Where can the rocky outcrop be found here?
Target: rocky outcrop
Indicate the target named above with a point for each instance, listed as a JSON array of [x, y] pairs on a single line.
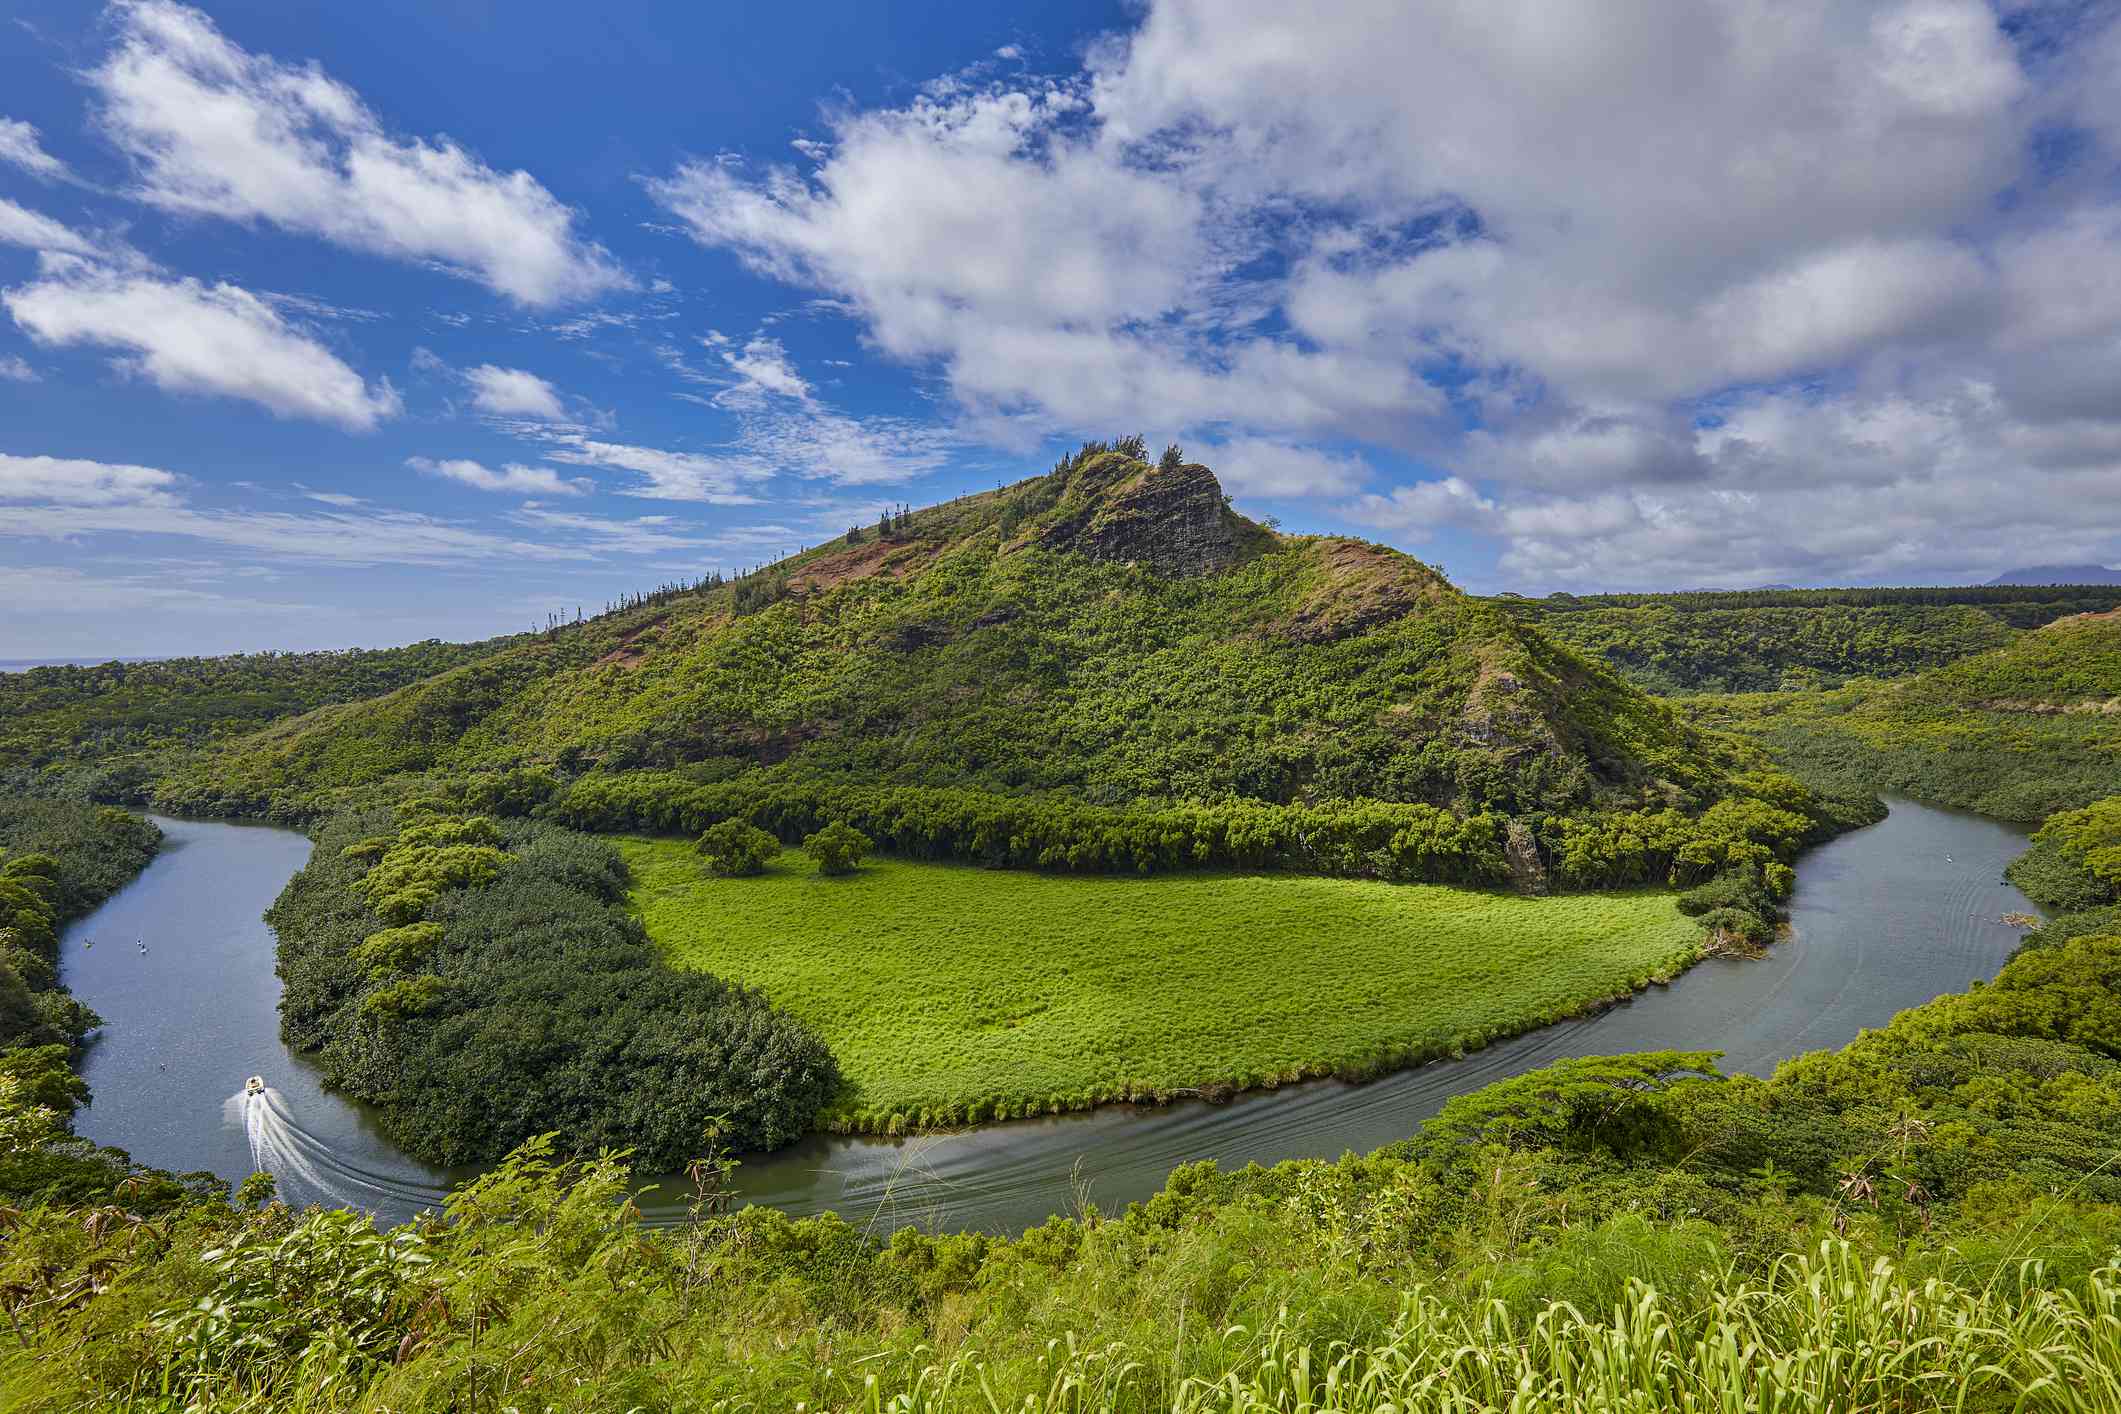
[[1172, 521]]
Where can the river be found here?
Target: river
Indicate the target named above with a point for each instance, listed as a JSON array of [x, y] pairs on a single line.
[[1884, 918]]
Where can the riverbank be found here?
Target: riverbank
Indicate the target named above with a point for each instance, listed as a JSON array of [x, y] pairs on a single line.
[[1883, 918]]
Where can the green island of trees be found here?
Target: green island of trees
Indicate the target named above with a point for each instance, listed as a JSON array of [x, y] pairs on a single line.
[[955, 995]]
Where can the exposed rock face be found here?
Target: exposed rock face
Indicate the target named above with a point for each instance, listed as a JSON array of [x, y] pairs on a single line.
[[1172, 521]]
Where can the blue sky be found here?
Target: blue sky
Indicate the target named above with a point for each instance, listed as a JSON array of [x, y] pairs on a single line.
[[328, 326]]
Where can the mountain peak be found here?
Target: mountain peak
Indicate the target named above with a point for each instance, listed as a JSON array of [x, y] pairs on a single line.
[[1173, 519]]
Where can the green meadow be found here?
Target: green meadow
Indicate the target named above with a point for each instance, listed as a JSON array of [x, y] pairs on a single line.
[[953, 994]]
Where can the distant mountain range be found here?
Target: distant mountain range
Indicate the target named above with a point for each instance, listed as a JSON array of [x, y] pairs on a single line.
[[2060, 574]]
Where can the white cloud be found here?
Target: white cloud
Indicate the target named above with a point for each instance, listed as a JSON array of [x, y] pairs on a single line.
[[513, 478], [188, 337], [815, 442], [20, 147], [670, 476], [1622, 208], [69, 481], [21, 226], [1805, 488], [64, 499], [1254, 467], [512, 392], [218, 131], [762, 371], [15, 369], [641, 535]]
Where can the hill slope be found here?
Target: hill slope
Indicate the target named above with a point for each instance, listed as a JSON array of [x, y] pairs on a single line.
[[1765, 641], [2021, 731], [1110, 631]]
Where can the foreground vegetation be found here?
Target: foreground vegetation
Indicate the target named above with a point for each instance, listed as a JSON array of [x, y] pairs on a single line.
[[956, 995], [482, 982], [1927, 1218]]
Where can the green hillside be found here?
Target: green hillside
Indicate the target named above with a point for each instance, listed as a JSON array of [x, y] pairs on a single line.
[[109, 728], [1110, 631], [1786, 640], [2020, 731]]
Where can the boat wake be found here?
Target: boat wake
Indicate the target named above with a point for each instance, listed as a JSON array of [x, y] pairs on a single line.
[[309, 1171]]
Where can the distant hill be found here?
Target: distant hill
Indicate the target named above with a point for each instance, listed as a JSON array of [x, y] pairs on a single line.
[[2020, 731], [1765, 640], [2060, 574], [1111, 631]]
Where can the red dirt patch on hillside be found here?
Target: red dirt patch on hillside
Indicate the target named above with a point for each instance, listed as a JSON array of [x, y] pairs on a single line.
[[851, 563]]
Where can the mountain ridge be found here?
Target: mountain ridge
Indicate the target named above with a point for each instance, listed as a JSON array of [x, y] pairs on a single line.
[[1111, 631]]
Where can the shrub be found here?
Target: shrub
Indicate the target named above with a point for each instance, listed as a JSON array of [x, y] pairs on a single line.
[[837, 848], [737, 850]]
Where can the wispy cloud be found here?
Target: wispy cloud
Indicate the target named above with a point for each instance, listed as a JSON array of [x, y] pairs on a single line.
[[668, 475], [19, 146], [21, 226], [513, 478]]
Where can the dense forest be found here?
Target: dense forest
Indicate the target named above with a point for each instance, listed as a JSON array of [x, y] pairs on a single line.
[[482, 982], [1768, 641]]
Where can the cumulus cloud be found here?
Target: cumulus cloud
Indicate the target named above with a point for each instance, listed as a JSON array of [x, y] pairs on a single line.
[[1805, 487], [512, 392], [21, 226], [1255, 467], [513, 478], [217, 131], [1041, 269], [187, 337], [70, 481], [20, 147], [15, 369], [1627, 278]]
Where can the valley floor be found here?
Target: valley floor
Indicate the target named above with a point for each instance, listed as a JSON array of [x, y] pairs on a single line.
[[953, 994]]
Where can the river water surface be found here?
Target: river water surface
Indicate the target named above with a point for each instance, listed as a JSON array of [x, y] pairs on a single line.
[[1883, 919]]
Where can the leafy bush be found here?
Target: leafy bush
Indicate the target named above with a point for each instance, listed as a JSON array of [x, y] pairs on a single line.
[[736, 850], [838, 848]]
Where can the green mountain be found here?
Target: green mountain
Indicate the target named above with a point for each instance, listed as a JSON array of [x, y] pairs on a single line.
[[2020, 731], [1112, 632]]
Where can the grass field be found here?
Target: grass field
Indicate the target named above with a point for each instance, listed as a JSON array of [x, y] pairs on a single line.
[[953, 994]]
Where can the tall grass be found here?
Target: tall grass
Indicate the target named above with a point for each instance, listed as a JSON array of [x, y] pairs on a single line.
[[1819, 1333]]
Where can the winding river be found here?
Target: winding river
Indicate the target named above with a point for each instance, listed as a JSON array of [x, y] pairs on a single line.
[[1883, 919]]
